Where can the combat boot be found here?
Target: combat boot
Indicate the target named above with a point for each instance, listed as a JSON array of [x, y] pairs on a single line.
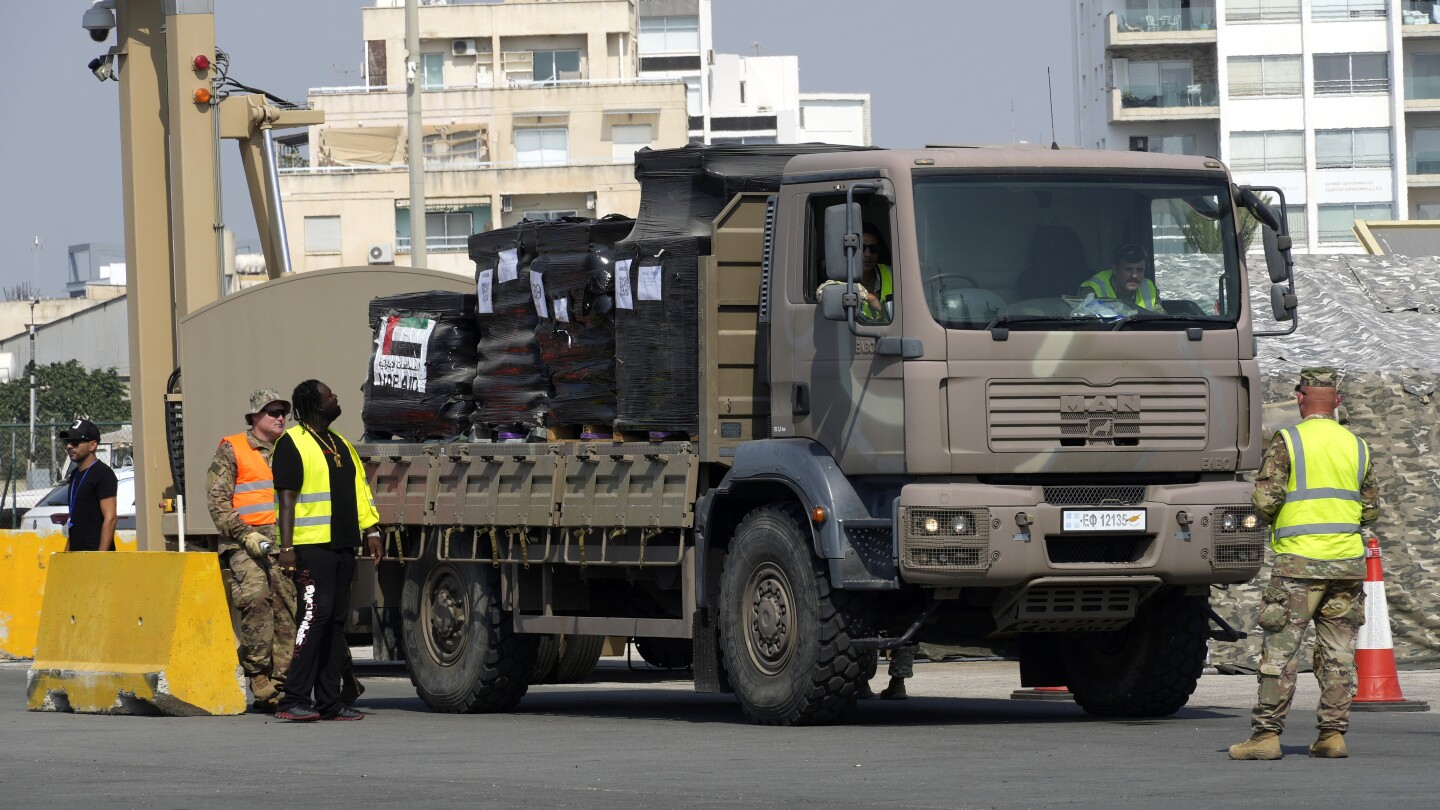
[[263, 689], [895, 691], [1331, 745], [1261, 745], [863, 691]]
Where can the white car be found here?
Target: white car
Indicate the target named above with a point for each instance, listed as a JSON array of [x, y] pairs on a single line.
[[52, 512]]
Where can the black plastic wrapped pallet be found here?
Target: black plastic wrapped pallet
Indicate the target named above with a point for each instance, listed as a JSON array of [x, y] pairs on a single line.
[[422, 367], [683, 190], [656, 338], [512, 386]]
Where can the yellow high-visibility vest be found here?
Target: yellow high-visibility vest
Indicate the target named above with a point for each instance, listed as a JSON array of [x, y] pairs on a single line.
[[312, 504], [1320, 518], [1147, 297]]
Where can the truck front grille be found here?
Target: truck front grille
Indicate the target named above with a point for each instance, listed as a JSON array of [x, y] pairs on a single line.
[[1093, 495], [945, 539], [1034, 416], [1113, 549]]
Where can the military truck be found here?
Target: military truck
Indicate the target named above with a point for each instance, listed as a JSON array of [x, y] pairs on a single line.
[[993, 458]]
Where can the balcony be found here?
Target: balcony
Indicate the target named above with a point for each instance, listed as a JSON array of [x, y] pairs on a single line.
[[1423, 168], [1184, 103], [1183, 26], [1419, 20]]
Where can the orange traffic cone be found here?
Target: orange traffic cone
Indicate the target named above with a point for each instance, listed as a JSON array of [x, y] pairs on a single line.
[[1042, 693], [1375, 651]]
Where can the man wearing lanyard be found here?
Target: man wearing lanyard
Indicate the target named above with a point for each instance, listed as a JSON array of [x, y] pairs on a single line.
[[92, 491]]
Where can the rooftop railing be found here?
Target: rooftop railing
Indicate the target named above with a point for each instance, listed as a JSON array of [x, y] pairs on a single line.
[[1178, 19], [1201, 94]]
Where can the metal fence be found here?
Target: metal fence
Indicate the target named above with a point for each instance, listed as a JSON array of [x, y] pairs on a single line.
[[23, 484]]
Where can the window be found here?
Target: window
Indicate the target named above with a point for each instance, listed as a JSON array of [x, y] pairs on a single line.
[[1337, 221], [692, 95], [1352, 148], [1425, 151], [432, 71], [1350, 73], [669, 35], [548, 216], [1157, 84], [1321, 10], [1299, 228], [541, 147], [1422, 76], [1427, 211], [1264, 76], [444, 230], [1262, 10], [322, 234], [552, 66], [1165, 144], [629, 139], [1267, 151]]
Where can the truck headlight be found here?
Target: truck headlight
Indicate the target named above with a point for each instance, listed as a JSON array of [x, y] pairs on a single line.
[[931, 525], [1250, 522], [960, 526]]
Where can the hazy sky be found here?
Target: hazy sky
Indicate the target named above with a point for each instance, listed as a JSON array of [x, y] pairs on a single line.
[[938, 71]]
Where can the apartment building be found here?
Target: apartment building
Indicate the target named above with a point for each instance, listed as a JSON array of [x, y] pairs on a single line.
[[1335, 102], [530, 110]]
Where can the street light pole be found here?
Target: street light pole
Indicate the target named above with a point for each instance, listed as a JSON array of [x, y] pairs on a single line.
[[34, 299]]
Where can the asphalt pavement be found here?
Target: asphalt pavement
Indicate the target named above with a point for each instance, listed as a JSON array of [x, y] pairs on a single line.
[[638, 738]]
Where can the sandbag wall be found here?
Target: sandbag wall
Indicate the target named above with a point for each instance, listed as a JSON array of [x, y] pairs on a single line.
[[422, 367]]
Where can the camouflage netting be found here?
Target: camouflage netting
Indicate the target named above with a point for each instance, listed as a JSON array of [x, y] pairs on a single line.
[[1377, 319]]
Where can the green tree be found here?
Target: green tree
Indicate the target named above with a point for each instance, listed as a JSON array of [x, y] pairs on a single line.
[[1202, 234], [66, 391]]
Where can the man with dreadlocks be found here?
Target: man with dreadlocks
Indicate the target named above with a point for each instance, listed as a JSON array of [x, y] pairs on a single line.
[[325, 504]]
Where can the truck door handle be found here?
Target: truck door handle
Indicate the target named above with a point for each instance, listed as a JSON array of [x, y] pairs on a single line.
[[800, 399]]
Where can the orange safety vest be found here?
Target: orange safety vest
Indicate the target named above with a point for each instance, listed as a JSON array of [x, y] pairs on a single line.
[[254, 498]]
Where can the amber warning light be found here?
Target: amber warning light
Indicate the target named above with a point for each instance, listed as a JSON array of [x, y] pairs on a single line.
[[202, 96]]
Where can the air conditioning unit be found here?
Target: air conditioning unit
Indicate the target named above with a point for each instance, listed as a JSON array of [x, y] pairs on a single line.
[[463, 47], [381, 254]]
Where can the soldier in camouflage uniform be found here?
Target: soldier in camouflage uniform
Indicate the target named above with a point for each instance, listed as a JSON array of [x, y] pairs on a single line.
[[1316, 488], [264, 597]]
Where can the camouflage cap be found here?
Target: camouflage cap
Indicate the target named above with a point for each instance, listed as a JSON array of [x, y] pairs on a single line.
[[263, 397], [1319, 377]]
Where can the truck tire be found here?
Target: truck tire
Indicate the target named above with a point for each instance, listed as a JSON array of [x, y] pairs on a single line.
[[1148, 668], [666, 653], [546, 654], [578, 657], [783, 635], [460, 648]]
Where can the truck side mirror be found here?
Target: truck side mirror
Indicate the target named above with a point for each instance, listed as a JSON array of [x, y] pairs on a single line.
[[1282, 302], [838, 237], [1277, 254], [832, 301], [1259, 208]]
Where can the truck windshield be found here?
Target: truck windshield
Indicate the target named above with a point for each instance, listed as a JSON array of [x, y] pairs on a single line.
[[1039, 252]]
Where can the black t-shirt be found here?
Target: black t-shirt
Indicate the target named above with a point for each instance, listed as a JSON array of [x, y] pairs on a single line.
[[87, 488], [289, 472]]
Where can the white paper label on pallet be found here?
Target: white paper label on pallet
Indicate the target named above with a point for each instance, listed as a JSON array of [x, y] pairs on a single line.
[[562, 309], [509, 262], [484, 288], [623, 299], [649, 286], [537, 293]]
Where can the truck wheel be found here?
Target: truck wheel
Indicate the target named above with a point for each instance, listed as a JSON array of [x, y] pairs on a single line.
[[783, 637], [546, 654], [1148, 668], [666, 653], [460, 648], [578, 657]]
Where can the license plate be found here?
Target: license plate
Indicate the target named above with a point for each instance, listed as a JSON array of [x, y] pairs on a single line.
[[1103, 520]]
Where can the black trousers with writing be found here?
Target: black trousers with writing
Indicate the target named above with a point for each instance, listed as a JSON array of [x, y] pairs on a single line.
[[322, 590]]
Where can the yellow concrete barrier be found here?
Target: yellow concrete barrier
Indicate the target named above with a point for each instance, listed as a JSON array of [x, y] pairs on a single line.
[[24, 562], [140, 633]]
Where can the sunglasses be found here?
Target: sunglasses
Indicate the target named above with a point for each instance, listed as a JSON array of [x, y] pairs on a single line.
[[278, 413], [872, 248], [78, 442]]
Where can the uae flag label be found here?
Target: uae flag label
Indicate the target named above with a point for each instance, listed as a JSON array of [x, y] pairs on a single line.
[[400, 350]]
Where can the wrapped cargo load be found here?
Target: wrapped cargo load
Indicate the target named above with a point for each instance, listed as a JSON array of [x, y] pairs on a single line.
[[512, 385], [422, 368], [575, 277], [657, 293]]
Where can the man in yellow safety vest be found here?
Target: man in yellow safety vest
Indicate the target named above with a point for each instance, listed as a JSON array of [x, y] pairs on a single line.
[[1316, 488], [1126, 280], [325, 506]]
